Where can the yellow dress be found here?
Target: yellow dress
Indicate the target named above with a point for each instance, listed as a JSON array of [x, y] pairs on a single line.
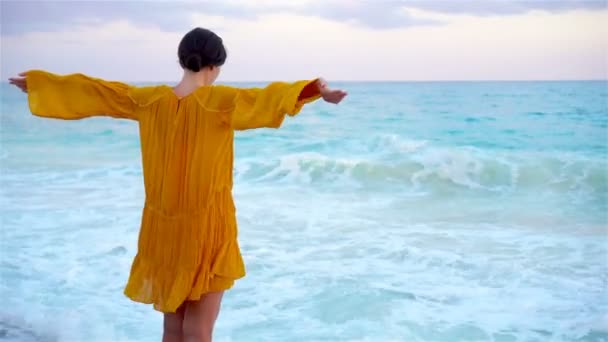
[[188, 237]]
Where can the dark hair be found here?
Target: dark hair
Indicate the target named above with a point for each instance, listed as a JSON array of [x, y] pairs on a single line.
[[201, 48]]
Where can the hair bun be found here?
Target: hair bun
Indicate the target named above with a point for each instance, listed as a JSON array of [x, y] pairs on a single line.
[[200, 48], [194, 62]]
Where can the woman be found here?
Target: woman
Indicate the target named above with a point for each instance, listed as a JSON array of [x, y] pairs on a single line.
[[188, 253]]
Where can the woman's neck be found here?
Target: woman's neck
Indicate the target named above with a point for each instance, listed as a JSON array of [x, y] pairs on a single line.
[[191, 81]]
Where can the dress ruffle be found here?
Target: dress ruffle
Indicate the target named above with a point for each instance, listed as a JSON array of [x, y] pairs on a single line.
[[179, 255]]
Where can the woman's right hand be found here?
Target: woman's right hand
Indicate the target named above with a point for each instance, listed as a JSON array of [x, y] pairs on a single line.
[[20, 82]]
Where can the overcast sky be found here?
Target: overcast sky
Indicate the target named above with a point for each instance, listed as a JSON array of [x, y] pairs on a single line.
[[337, 39]]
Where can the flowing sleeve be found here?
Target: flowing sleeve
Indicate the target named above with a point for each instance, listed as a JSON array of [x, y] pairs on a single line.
[[267, 107], [77, 96]]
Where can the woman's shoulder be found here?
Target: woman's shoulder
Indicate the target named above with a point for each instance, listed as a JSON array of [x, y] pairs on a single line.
[[145, 96], [218, 98]]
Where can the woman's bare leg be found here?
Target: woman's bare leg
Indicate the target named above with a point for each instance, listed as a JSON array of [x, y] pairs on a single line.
[[172, 325], [200, 316]]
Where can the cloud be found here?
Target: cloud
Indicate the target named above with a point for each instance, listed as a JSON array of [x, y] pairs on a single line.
[[364, 13], [503, 7], [368, 14], [29, 16], [113, 50], [392, 14], [283, 46]]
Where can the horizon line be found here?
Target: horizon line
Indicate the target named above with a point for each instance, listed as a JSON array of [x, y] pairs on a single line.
[[392, 81], [413, 81]]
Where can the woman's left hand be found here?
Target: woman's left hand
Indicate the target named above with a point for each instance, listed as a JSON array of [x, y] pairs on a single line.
[[331, 95]]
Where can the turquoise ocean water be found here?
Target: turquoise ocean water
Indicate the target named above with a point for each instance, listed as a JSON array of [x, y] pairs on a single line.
[[440, 211]]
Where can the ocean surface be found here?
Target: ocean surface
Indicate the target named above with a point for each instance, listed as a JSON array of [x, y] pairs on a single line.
[[421, 211]]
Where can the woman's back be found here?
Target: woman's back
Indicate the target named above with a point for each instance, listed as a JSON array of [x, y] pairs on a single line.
[[187, 146]]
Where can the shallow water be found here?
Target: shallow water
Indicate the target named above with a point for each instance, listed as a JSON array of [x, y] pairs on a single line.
[[452, 211]]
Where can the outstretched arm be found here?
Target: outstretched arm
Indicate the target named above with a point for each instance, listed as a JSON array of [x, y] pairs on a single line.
[[267, 107], [74, 96]]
